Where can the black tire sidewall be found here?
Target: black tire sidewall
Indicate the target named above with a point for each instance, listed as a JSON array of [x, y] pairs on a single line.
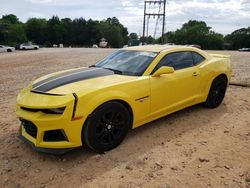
[[89, 135], [210, 101]]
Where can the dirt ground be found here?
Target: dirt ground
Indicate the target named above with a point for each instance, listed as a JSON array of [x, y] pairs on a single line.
[[196, 147]]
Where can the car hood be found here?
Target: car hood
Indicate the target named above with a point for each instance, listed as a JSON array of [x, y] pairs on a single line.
[[78, 80]]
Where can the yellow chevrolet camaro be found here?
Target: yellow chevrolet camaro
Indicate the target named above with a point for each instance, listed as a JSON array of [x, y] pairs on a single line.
[[96, 106]]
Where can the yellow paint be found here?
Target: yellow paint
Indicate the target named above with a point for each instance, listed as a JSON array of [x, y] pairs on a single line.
[[167, 93]]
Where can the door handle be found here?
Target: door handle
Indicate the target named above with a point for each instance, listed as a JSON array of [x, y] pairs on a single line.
[[195, 73]]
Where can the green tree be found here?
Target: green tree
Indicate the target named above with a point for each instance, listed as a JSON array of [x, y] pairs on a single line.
[[122, 30], [17, 34], [36, 30], [67, 34], [193, 32], [115, 37], [196, 32], [78, 32], [10, 19], [239, 39], [9, 25], [55, 30], [215, 41], [133, 36]]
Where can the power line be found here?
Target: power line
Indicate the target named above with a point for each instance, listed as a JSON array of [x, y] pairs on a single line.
[[159, 15]]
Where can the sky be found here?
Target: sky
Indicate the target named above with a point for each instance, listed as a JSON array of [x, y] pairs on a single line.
[[224, 16]]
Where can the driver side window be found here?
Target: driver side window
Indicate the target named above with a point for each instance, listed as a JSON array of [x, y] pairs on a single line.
[[177, 60]]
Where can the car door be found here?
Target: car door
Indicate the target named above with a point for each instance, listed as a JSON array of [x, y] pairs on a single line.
[[28, 47], [171, 92]]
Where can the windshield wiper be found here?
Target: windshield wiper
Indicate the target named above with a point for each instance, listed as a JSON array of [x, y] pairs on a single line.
[[115, 71]]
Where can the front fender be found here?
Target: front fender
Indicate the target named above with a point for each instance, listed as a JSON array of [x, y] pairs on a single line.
[[88, 104]]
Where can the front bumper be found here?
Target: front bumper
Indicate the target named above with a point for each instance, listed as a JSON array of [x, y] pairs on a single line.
[[45, 123], [56, 151]]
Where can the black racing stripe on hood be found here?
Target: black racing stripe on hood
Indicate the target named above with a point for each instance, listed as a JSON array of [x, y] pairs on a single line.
[[58, 76], [84, 75]]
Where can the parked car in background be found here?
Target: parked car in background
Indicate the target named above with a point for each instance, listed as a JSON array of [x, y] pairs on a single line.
[[4, 48], [196, 46], [244, 50], [28, 46]]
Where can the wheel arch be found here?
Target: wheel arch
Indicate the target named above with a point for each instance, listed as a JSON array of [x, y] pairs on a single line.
[[223, 75], [123, 102], [210, 82], [207, 103], [128, 107]]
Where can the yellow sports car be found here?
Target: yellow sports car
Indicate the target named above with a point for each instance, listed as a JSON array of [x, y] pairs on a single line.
[[132, 86]]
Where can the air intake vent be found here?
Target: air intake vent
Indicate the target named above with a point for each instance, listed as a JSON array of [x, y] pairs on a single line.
[[29, 127]]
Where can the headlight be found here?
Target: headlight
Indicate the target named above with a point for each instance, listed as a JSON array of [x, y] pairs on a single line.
[[46, 111], [53, 110]]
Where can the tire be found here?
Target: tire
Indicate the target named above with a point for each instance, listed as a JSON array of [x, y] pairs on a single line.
[[217, 92], [35, 48], [106, 127], [9, 50], [23, 48]]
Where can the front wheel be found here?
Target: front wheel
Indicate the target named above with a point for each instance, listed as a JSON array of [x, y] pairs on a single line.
[[217, 92], [106, 127]]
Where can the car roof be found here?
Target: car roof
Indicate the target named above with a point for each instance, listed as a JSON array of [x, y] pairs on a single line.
[[158, 48]]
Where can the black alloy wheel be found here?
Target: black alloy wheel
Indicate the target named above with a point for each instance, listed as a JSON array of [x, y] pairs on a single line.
[[107, 126]]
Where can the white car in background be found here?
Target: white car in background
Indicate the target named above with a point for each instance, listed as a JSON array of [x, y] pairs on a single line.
[[4, 48], [28, 46]]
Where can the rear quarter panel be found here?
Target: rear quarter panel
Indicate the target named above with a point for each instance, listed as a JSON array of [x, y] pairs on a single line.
[[210, 69]]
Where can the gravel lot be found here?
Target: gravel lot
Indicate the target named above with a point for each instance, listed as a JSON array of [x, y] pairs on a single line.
[[196, 147]]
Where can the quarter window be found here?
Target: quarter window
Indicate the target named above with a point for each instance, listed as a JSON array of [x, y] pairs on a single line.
[[177, 60], [197, 58]]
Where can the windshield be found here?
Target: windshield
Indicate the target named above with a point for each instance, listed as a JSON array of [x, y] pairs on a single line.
[[127, 62]]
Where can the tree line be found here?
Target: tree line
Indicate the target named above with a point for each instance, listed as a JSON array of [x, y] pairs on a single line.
[[198, 32], [82, 32], [77, 32]]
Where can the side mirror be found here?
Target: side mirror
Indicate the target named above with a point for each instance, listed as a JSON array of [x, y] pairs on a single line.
[[163, 70]]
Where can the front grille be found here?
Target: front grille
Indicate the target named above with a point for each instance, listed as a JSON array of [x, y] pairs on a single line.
[[29, 127]]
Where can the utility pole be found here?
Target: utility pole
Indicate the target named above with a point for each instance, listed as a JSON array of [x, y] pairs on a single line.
[[163, 22], [159, 15]]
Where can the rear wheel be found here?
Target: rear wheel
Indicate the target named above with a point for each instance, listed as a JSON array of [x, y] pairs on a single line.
[[106, 127], [217, 92], [9, 50]]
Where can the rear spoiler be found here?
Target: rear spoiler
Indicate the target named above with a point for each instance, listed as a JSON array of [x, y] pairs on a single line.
[[220, 55]]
